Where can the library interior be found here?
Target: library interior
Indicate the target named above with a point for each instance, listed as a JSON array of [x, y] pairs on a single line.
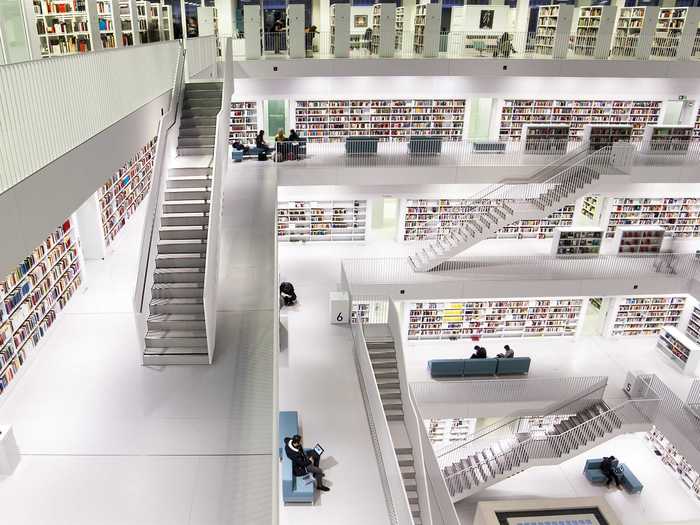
[[338, 261]]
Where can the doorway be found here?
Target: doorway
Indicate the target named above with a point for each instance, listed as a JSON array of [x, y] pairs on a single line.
[[276, 117], [385, 217], [596, 313]]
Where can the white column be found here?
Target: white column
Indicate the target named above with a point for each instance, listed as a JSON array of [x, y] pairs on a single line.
[[325, 16], [89, 221], [226, 14], [296, 41], [342, 30], [690, 28], [387, 30], [117, 24], [522, 12], [431, 37], [134, 13], [603, 41], [646, 35], [93, 25], [561, 36], [252, 23]]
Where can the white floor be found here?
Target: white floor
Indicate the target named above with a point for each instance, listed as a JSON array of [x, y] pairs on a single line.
[[105, 440], [664, 498]]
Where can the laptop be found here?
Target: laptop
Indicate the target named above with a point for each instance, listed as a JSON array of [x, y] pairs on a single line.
[[318, 449]]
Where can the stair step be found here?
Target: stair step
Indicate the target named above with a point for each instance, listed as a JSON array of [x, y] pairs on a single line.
[[386, 372], [384, 363], [408, 472], [394, 415], [196, 246], [188, 206], [415, 510], [184, 219], [391, 404], [412, 497], [178, 173], [197, 121], [199, 111], [175, 355], [178, 275], [176, 339], [186, 194], [180, 260], [390, 393], [161, 322], [175, 290], [181, 233], [382, 354], [189, 151], [189, 305], [403, 450], [202, 99], [205, 85], [388, 384], [189, 182], [194, 129], [196, 142]]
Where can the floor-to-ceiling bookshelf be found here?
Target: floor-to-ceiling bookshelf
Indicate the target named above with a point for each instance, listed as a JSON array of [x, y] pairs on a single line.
[[587, 28], [388, 119], [627, 30], [125, 190], [646, 315], [63, 27], [322, 220], [430, 219], [33, 294], [693, 329], [577, 113], [494, 318], [668, 31], [547, 17], [419, 29], [244, 121], [679, 216]]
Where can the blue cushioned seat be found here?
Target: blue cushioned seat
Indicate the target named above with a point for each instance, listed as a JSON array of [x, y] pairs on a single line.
[[513, 365], [446, 367], [480, 367]]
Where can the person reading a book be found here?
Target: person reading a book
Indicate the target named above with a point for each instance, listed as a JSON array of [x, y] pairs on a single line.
[[304, 461]]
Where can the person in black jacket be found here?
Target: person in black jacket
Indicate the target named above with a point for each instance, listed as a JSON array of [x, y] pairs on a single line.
[[304, 462], [609, 467], [479, 353]]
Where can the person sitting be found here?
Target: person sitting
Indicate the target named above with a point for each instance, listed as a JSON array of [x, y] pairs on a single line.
[[304, 462], [279, 137], [508, 354], [293, 136], [504, 46], [238, 145], [289, 297], [263, 149], [479, 353], [310, 34], [609, 467]]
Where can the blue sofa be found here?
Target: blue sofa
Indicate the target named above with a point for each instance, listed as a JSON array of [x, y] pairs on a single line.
[[593, 474], [361, 145], [424, 145], [478, 367], [294, 489], [238, 156], [489, 147]]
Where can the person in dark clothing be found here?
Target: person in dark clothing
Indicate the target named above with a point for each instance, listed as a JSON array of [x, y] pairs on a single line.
[[293, 136], [479, 353], [508, 354], [304, 462], [504, 46], [609, 467], [309, 35], [287, 293], [237, 145], [261, 144]]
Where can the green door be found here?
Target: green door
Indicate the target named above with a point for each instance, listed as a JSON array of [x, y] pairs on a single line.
[[276, 117]]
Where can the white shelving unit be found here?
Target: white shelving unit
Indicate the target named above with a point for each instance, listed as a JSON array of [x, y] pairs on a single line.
[[675, 460], [430, 219], [109, 24], [602, 135], [645, 315], [372, 312], [446, 431], [696, 128], [667, 139], [322, 220], [577, 114], [67, 26], [129, 18], [590, 207], [398, 37], [678, 216], [553, 30], [388, 119], [669, 28], [121, 195], [634, 31], [594, 29], [33, 294], [167, 22], [545, 139], [244, 121], [632, 240], [680, 349], [575, 240], [383, 29], [693, 328], [419, 28], [492, 318]]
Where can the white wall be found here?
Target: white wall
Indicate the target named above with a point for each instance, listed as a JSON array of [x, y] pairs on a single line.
[[467, 18], [360, 10], [31, 210]]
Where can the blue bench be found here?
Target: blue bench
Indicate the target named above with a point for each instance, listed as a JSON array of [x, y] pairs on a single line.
[[593, 474], [424, 145], [237, 155], [489, 147], [361, 145], [294, 489], [478, 367]]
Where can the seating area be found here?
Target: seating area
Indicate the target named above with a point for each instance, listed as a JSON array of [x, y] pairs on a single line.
[[446, 368], [424, 145], [629, 481], [294, 489], [361, 145]]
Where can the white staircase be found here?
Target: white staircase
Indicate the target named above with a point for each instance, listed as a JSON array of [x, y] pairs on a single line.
[[551, 188], [176, 323], [510, 455]]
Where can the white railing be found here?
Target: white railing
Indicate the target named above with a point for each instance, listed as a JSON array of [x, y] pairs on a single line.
[[220, 167], [237, 47], [390, 472], [201, 55], [165, 150], [411, 420], [88, 93], [630, 414]]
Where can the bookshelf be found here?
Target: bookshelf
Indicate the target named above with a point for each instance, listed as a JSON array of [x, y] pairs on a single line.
[[696, 128], [693, 329], [109, 25], [575, 241], [430, 219], [383, 29], [542, 317], [667, 139], [167, 22], [66, 27], [646, 315], [419, 28], [322, 220], [387, 119], [445, 431], [333, 29], [594, 29], [376, 28], [577, 114], [600, 136], [639, 239], [590, 207], [33, 294], [675, 460], [122, 193], [628, 30], [398, 35], [545, 139], [129, 21], [372, 312], [679, 348], [553, 28], [669, 28], [679, 217], [244, 121]]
